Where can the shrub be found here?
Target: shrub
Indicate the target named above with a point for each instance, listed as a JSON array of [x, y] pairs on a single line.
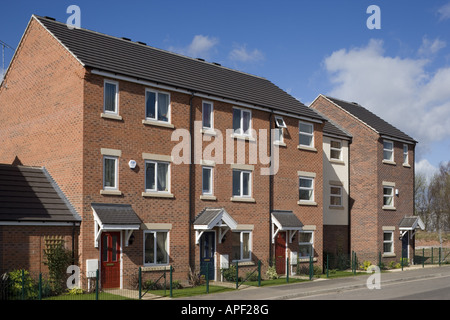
[[16, 283], [58, 259], [272, 273]]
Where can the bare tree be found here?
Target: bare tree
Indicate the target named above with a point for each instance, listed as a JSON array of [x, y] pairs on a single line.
[[422, 205]]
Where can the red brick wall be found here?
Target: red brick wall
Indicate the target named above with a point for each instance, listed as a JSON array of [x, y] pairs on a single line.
[[367, 172]]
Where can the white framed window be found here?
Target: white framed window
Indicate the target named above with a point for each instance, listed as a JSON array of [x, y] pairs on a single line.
[[388, 196], [156, 247], [335, 150], [278, 131], [306, 134], [335, 196], [388, 242], [110, 172], [306, 244], [279, 121], [207, 180], [388, 150], [111, 97], [208, 115], [157, 176], [405, 154], [241, 247], [157, 106], [242, 121], [242, 181], [306, 189]]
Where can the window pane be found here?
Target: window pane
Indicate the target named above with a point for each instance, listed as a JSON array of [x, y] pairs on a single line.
[[387, 247], [387, 236], [279, 134], [305, 140], [236, 246], [110, 173], [110, 97], [335, 144], [150, 104], [387, 145], [246, 245], [305, 250], [236, 183], [246, 122], [114, 248], [149, 256], [206, 188], [150, 176], [207, 108], [305, 183], [305, 194], [163, 107], [304, 237], [335, 190], [387, 191], [162, 177], [104, 248], [161, 250], [237, 120], [387, 155], [335, 201], [245, 183], [306, 128]]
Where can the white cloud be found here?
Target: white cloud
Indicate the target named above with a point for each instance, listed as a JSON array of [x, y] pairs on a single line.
[[430, 47], [241, 54], [200, 47], [444, 12], [399, 90], [426, 168]]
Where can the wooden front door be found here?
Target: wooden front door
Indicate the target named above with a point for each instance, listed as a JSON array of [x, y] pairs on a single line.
[[280, 253], [207, 252], [110, 272]]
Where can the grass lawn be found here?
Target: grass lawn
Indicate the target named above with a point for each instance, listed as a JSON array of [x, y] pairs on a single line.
[[88, 296]]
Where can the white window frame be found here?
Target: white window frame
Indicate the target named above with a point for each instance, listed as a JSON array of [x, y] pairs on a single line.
[[211, 181], [279, 122], [391, 242], [211, 115], [388, 150], [155, 232], [405, 154], [336, 196], [169, 108], [116, 173], [335, 149], [156, 176], [116, 106], [241, 123], [300, 133], [250, 247], [304, 188], [392, 205], [241, 183], [311, 243]]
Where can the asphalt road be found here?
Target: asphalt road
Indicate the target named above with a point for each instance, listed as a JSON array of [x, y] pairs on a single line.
[[410, 284]]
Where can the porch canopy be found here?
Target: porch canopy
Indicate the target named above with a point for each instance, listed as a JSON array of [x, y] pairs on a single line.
[[210, 218], [285, 221], [410, 223], [115, 217]]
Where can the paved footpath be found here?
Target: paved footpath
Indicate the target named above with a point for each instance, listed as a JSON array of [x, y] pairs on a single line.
[[320, 286]]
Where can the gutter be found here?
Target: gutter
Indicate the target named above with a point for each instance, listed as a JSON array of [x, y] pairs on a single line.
[[191, 177]]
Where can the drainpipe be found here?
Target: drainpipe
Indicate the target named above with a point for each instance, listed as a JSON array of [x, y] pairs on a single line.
[[191, 177], [270, 189], [349, 204]]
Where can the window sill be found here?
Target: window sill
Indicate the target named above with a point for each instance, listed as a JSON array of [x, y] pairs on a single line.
[[336, 161], [155, 268], [158, 123], [389, 162], [305, 259], [388, 255], [389, 208], [242, 199], [242, 137], [209, 132], [208, 198], [157, 195], [306, 148], [280, 144], [111, 116], [306, 203], [336, 207], [111, 192], [406, 165], [243, 263]]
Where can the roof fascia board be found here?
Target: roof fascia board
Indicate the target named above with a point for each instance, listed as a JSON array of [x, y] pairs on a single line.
[[353, 116], [39, 223], [73, 55], [397, 139], [336, 136], [197, 94]]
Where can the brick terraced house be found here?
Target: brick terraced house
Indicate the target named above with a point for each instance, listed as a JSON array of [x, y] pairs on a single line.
[[108, 118], [381, 182]]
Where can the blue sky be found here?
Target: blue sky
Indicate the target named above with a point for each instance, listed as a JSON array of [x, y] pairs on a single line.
[[401, 72]]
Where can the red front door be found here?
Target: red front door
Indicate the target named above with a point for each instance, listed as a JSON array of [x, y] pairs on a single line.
[[110, 272], [280, 253]]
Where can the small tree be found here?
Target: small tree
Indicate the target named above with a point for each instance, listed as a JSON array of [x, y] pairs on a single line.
[[58, 259]]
